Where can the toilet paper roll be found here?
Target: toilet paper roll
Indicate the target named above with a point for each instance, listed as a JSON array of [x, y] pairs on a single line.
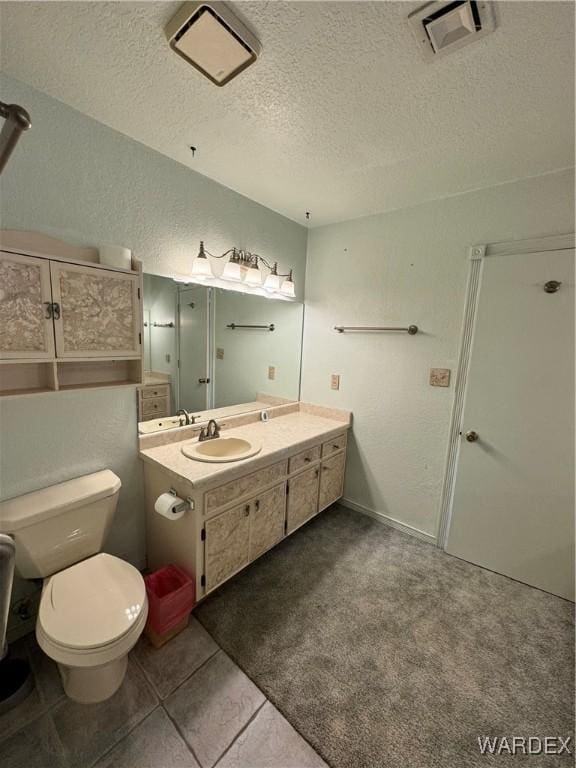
[[169, 506]]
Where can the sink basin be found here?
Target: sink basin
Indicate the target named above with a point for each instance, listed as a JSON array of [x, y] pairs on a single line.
[[221, 449]]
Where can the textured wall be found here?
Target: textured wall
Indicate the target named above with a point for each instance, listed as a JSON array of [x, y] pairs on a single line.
[[407, 266], [73, 178]]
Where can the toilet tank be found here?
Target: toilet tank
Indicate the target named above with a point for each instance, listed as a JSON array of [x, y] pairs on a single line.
[[58, 526]]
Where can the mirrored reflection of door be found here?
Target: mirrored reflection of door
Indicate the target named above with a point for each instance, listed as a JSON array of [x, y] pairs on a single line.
[[194, 370]]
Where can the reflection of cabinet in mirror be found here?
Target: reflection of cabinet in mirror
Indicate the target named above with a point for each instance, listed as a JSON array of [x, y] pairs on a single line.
[[234, 523], [65, 325]]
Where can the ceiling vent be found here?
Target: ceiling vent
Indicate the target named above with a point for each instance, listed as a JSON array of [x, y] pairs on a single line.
[[442, 27], [211, 38]]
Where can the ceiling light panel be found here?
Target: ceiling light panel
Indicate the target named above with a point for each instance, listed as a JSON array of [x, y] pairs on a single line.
[[211, 38]]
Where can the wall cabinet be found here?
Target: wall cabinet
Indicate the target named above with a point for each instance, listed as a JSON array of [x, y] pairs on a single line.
[[65, 325], [26, 326], [99, 312]]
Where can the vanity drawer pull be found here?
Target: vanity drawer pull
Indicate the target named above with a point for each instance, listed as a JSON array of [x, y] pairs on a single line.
[[257, 505], [304, 458], [246, 510], [336, 444]]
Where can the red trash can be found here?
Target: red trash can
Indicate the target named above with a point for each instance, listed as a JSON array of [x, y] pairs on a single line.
[[171, 596]]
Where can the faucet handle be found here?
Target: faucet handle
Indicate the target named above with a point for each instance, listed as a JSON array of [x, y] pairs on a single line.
[[202, 435]]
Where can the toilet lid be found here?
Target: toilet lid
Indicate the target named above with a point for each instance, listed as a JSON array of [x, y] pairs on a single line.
[[92, 603]]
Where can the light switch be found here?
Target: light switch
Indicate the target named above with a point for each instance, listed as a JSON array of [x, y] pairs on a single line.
[[167, 357], [440, 377], [219, 353], [271, 372], [335, 381]]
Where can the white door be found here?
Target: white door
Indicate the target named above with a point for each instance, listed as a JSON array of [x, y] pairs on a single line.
[[513, 504]]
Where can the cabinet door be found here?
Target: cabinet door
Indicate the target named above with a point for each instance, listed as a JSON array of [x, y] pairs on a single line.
[[26, 328], [99, 312], [331, 480], [267, 520], [302, 498], [227, 544]]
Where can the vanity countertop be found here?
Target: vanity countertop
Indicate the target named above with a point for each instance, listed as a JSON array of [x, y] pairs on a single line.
[[280, 437]]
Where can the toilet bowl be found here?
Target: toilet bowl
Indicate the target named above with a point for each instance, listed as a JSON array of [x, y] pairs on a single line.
[[91, 615], [93, 606]]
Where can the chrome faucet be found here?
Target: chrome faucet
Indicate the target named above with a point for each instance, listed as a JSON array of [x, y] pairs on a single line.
[[211, 432], [188, 417]]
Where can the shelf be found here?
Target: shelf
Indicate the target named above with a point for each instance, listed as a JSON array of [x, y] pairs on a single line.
[[98, 385], [27, 376]]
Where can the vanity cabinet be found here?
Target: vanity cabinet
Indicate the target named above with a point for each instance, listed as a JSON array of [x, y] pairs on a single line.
[[64, 324], [331, 480], [235, 522], [226, 545], [234, 538], [302, 501]]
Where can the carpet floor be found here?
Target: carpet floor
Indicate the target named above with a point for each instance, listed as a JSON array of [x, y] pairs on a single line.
[[384, 652]]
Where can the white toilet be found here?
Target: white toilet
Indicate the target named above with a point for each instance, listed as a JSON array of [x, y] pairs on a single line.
[[93, 606]]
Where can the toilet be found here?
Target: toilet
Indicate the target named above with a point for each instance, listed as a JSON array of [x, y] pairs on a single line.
[[93, 606]]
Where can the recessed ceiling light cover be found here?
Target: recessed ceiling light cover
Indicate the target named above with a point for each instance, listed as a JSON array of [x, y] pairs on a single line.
[[441, 27], [211, 38]]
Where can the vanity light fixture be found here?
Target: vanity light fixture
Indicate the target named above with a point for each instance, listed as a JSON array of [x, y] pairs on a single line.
[[244, 268], [201, 268]]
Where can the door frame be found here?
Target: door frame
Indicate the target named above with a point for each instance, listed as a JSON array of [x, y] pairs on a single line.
[[477, 255]]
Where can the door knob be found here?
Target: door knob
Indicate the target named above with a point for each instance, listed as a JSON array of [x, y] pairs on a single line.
[[472, 436]]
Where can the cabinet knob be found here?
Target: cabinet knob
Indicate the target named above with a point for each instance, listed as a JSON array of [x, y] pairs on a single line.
[[307, 458], [246, 510], [316, 473], [257, 504]]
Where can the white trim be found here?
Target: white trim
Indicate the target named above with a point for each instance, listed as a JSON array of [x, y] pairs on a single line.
[[390, 521], [477, 254], [535, 245]]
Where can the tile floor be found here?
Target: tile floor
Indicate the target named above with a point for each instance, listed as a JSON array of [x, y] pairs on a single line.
[[186, 705]]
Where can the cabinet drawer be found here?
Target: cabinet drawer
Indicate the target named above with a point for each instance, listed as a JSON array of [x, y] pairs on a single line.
[[243, 486], [161, 390], [155, 406], [333, 445], [303, 459]]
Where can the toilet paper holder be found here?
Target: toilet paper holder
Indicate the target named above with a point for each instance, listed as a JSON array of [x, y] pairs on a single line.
[[188, 502]]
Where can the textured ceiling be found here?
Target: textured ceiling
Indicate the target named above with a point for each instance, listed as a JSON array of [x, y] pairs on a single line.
[[340, 115]]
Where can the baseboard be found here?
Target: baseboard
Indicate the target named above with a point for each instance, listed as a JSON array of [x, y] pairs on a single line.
[[382, 518]]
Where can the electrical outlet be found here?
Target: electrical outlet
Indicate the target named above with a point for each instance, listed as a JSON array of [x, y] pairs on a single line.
[[440, 377], [271, 372], [334, 381], [219, 353]]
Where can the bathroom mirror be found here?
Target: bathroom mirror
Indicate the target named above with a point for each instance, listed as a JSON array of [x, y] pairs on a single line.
[[213, 352]]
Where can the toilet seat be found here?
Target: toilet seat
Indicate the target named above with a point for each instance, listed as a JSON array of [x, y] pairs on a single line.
[[96, 605]]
